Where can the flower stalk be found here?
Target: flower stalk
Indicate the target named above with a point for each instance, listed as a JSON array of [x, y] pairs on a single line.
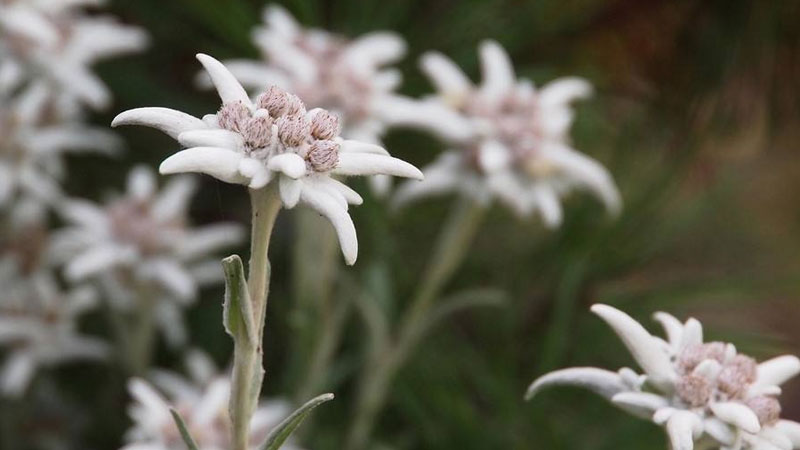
[[248, 371], [453, 242]]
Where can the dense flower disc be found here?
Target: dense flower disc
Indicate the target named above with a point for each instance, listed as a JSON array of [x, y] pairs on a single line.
[[700, 392], [273, 141], [508, 140]]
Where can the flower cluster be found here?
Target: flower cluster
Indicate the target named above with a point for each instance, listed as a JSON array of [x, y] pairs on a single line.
[[700, 392], [58, 41], [38, 324], [509, 140], [201, 401], [141, 239], [273, 140]]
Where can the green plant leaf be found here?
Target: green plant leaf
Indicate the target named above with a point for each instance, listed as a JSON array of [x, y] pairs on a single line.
[[281, 433], [237, 315], [187, 438]]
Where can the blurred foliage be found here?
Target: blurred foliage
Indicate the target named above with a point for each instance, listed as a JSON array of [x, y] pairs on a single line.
[[696, 114]]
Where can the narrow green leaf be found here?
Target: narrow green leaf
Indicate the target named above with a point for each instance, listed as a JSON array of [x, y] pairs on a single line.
[[237, 315], [279, 434], [187, 438]]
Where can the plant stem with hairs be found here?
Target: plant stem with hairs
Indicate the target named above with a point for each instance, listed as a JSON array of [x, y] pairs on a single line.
[[454, 240], [248, 372]]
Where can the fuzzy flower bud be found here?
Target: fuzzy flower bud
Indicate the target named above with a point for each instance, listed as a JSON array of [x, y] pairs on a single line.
[[324, 125], [274, 100], [695, 354], [323, 156], [695, 390], [257, 131], [293, 130], [737, 375], [233, 116], [767, 409], [294, 105]]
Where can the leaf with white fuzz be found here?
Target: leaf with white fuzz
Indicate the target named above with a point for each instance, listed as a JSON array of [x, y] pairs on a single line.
[[237, 310], [289, 190], [602, 382], [348, 145], [326, 205], [229, 89], [692, 333], [220, 163], [778, 370], [737, 415], [283, 430], [682, 428], [791, 430], [672, 327], [289, 164], [167, 120], [371, 164], [641, 404], [211, 138], [643, 347]]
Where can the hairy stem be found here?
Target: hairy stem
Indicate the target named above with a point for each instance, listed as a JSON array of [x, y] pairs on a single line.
[[451, 247], [248, 372]]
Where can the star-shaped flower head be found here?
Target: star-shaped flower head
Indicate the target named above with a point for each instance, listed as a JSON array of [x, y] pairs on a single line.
[[273, 140], [700, 392], [56, 42], [508, 140], [202, 401], [143, 239], [38, 324], [31, 153]]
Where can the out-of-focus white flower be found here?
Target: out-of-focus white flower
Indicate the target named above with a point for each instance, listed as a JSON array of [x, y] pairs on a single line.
[[56, 42], [348, 77], [508, 140], [31, 149], [273, 140], [38, 325], [202, 401], [700, 392], [143, 238]]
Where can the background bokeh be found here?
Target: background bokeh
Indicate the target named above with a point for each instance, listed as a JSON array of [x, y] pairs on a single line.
[[696, 114]]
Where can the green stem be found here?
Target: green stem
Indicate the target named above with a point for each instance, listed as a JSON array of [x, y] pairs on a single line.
[[453, 243], [323, 350], [248, 372], [566, 300], [315, 318], [142, 340]]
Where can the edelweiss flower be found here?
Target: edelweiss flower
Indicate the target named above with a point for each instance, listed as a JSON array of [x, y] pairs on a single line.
[[60, 41], [38, 325], [348, 77], [31, 149], [202, 401], [142, 239], [508, 140], [700, 392], [273, 140]]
